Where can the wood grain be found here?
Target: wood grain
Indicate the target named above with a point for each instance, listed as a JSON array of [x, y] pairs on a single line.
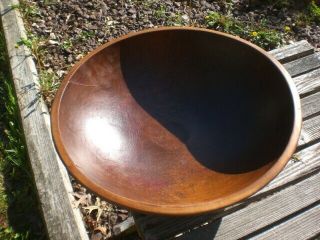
[[303, 163], [159, 227], [124, 227], [303, 65], [308, 82], [310, 105], [260, 214], [303, 226], [311, 124], [53, 186], [310, 130], [293, 51]]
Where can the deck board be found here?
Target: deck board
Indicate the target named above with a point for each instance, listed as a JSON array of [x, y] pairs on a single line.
[[260, 214], [310, 131], [310, 105], [303, 65], [293, 51], [305, 225], [308, 82]]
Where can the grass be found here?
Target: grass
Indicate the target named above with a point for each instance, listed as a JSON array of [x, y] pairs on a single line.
[[256, 33], [160, 12], [49, 84], [20, 218], [48, 81], [307, 11], [314, 12], [28, 9], [168, 18], [175, 20], [85, 35], [36, 46], [67, 44]]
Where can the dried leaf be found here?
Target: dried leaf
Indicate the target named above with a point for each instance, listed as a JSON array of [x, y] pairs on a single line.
[[100, 210], [90, 222], [123, 216], [82, 200], [102, 229], [77, 195], [91, 208], [122, 211], [97, 203]]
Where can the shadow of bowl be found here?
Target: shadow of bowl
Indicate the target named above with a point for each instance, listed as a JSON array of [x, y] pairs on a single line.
[[176, 121]]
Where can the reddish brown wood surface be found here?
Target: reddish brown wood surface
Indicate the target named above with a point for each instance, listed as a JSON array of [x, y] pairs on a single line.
[[176, 120]]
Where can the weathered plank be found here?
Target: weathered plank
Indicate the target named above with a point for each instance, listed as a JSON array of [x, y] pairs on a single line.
[[161, 227], [260, 214], [308, 82], [310, 112], [127, 226], [305, 162], [293, 51], [310, 131], [310, 105], [303, 65], [51, 178], [303, 226]]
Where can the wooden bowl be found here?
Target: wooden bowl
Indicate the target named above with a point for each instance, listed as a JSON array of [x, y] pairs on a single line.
[[176, 121]]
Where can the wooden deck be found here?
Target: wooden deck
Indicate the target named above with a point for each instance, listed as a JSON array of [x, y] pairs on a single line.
[[289, 206]]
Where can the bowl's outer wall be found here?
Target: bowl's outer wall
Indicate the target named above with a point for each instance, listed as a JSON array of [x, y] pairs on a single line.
[[176, 121]]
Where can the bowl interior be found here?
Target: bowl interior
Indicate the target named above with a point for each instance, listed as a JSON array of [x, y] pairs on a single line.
[[174, 118]]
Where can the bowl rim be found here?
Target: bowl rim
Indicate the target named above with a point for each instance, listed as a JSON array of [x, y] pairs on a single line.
[[187, 209]]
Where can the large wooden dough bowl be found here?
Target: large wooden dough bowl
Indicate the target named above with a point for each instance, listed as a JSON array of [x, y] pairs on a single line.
[[176, 121]]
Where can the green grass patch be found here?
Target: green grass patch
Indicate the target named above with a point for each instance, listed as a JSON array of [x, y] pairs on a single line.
[[166, 17], [36, 46], [314, 12], [20, 217], [49, 84], [67, 44], [256, 33], [48, 80], [85, 35], [28, 10]]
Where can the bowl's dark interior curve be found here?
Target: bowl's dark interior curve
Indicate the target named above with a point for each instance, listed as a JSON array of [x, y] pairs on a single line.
[[176, 117]]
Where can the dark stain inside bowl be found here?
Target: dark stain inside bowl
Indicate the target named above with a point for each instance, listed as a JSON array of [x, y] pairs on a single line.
[[224, 101]]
